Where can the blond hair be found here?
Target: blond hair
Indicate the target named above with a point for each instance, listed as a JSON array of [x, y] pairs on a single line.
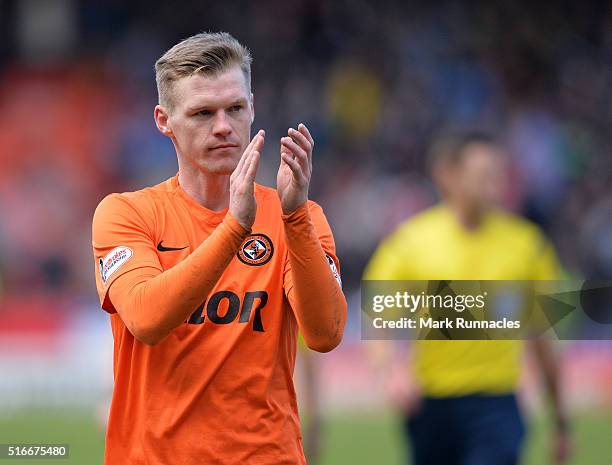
[[205, 53]]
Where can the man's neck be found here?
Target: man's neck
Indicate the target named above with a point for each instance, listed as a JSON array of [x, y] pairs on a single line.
[[469, 218], [209, 190]]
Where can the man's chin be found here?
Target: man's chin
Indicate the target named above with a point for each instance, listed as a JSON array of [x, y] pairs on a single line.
[[225, 172], [222, 166], [222, 169]]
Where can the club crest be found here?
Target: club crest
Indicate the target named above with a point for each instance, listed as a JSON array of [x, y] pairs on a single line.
[[256, 250]]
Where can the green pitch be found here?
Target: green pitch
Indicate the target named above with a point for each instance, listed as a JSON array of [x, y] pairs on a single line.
[[349, 439]]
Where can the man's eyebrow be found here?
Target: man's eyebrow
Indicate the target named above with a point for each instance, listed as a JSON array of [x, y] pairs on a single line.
[[238, 101], [199, 107], [205, 106]]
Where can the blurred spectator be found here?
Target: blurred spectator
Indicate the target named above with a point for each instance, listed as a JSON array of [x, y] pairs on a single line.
[[375, 82]]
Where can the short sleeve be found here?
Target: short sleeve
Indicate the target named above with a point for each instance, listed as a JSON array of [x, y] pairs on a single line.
[[546, 265], [121, 242], [326, 239], [387, 262]]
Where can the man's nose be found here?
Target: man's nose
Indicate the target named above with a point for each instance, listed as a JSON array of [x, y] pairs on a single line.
[[221, 126]]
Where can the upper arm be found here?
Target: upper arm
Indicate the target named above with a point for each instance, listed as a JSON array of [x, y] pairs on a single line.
[[122, 242], [387, 261]]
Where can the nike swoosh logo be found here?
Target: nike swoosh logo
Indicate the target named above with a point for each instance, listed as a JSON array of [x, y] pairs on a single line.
[[161, 248]]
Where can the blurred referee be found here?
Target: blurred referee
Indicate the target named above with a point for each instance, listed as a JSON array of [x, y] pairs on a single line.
[[462, 408]]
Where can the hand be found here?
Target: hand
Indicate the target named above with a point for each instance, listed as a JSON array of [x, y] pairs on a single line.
[[242, 183], [403, 394], [562, 446], [293, 177]]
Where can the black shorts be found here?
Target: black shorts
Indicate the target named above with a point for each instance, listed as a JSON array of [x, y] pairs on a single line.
[[468, 430]]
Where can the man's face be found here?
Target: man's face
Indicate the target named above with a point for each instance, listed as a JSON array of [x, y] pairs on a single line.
[[210, 121], [478, 179]]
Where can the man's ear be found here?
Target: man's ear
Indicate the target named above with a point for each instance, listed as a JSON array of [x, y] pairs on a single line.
[[252, 105], [442, 175], [161, 120]]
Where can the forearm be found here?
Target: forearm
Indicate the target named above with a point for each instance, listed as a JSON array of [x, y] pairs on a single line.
[[549, 366], [152, 305], [316, 297]]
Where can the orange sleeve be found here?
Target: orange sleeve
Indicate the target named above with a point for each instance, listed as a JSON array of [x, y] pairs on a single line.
[[122, 241], [312, 280], [152, 303]]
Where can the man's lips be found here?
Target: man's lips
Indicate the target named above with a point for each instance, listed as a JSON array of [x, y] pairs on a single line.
[[224, 146]]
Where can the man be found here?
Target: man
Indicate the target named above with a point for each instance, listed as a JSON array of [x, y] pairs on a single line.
[[208, 276], [463, 408]]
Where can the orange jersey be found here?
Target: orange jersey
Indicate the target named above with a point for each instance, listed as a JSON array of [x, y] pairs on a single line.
[[219, 388]]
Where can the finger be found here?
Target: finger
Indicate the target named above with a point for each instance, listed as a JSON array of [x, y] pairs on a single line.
[[293, 164], [252, 168], [244, 156], [304, 130], [255, 144], [259, 143], [247, 151], [244, 162], [300, 139], [290, 146]]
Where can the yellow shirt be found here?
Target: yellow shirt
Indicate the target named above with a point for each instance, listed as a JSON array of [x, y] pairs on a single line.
[[433, 245]]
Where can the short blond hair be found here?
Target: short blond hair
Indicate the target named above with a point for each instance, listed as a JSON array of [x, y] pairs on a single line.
[[205, 53]]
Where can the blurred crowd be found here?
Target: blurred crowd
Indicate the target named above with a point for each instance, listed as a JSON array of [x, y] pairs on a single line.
[[375, 82]]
